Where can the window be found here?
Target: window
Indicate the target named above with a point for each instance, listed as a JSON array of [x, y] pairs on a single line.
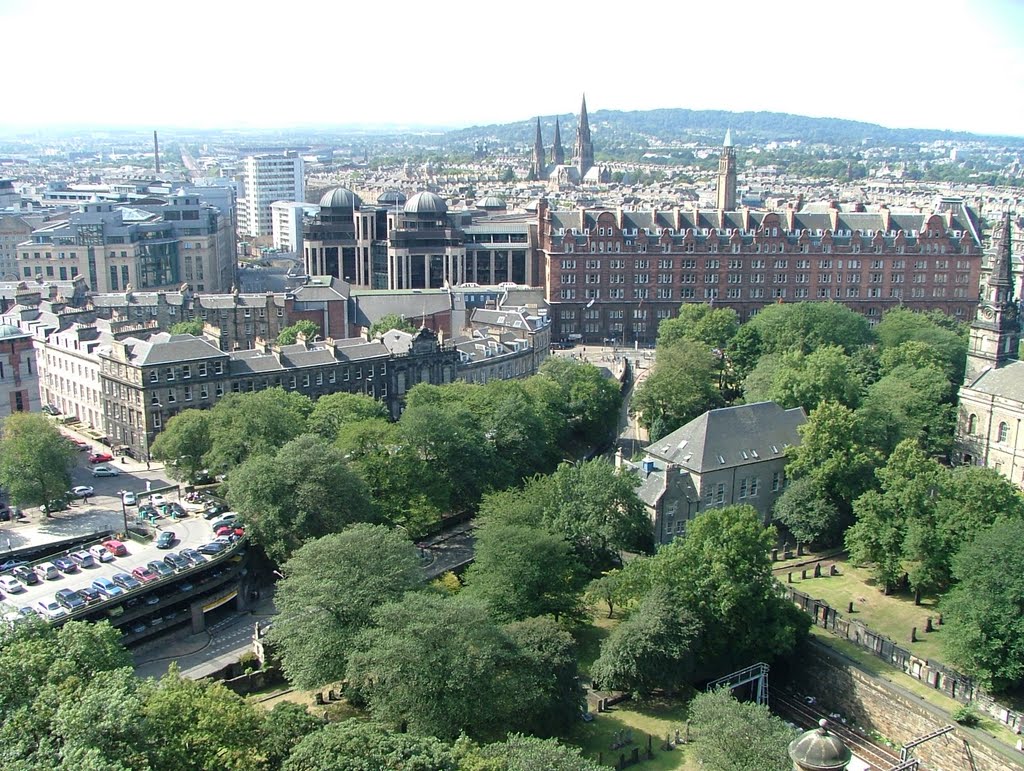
[[972, 424], [1004, 432], [202, 369], [188, 393], [755, 482], [776, 481], [204, 391], [169, 374], [154, 376], [743, 488], [186, 372], [720, 493], [171, 396]]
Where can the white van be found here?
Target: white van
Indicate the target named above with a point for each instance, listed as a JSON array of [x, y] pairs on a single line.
[[46, 571]]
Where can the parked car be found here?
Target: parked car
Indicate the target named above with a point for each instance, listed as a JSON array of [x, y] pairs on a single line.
[[82, 491], [83, 559], [100, 553], [50, 610], [11, 585], [25, 574], [115, 547], [165, 540], [176, 562], [101, 457], [161, 568], [157, 500], [227, 519], [105, 471], [50, 409], [70, 599], [128, 498], [66, 565], [213, 548], [126, 582], [11, 565], [89, 594], [57, 504], [80, 445], [193, 556], [107, 588], [213, 510], [144, 574], [47, 571], [228, 530]]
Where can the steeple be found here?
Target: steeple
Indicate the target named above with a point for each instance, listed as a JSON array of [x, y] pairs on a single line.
[[537, 168], [727, 175], [557, 153], [995, 332], [583, 155]]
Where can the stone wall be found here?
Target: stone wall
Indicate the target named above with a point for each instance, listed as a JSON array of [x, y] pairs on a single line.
[[873, 704]]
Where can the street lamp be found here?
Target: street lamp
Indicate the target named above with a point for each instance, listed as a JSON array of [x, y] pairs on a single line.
[[124, 511]]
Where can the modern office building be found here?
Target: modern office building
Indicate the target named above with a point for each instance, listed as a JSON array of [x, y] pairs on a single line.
[[268, 178], [287, 224]]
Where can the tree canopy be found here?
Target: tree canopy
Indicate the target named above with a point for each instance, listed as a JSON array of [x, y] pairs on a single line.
[[247, 424], [589, 402], [194, 327], [390, 321], [736, 736], [184, 443], [332, 411], [681, 387], [699, 323], [35, 459], [356, 745], [290, 334], [807, 326]]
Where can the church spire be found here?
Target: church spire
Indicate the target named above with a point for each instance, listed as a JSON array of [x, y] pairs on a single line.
[[727, 175], [557, 153], [583, 155], [995, 332], [537, 168]]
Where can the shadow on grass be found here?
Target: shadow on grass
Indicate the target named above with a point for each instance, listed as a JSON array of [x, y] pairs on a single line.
[[655, 718]]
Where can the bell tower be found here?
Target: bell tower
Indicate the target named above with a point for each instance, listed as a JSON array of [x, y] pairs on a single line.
[[727, 175], [995, 332]]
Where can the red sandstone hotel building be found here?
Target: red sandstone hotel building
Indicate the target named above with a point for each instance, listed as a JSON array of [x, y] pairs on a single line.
[[617, 274]]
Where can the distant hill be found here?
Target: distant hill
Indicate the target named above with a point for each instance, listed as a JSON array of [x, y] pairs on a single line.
[[667, 125]]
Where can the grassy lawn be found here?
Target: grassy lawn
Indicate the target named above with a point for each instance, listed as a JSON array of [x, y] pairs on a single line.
[[892, 615], [654, 718]]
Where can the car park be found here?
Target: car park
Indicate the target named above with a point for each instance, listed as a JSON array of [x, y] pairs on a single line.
[[115, 547], [128, 498], [161, 568], [11, 585], [25, 574], [47, 571], [193, 556], [165, 540], [105, 471], [83, 559], [107, 588], [100, 553], [138, 628], [176, 562], [213, 548], [185, 586], [66, 565], [126, 582], [144, 574], [50, 609], [152, 599], [70, 599], [82, 491], [101, 457]]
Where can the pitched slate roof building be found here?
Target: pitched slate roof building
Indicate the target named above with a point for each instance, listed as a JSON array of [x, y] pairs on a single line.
[[724, 457], [617, 274], [991, 402]]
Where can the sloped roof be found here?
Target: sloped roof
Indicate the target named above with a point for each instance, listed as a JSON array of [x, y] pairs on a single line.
[[1007, 381], [731, 436], [165, 348]]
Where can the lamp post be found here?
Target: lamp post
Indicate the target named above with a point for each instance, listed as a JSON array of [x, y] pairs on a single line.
[[124, 511]]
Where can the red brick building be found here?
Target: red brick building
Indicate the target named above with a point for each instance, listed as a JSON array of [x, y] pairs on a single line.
[[616, 274]]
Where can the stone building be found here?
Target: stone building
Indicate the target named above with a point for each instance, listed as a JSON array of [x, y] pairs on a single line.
[[991, 401], [727, 456], [617, 274], [19, 374]]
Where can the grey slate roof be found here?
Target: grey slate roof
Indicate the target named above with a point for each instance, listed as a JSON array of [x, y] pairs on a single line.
[[165, 348], [1007, 381], [732, 436]]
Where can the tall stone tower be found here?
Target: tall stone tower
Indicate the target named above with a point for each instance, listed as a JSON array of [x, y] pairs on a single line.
[[537, 167], [557, 153], [583, 154], [727, 175], [995, 332]]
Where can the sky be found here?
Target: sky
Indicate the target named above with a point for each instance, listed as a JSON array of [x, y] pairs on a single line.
[[942, 64]]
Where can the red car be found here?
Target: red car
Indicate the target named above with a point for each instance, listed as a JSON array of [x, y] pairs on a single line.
[[115, 547], [228, 530], [100, 457], [145, 574]]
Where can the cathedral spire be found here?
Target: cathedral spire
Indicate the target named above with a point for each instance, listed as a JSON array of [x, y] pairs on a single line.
[[537, 167], [995, 332], [583, 155], [557, 153]]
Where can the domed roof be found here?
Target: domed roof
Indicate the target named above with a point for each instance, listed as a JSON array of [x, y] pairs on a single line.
[[491, 202], [9, 330], [340, 198], [819, 750], [426, 203], [391, 197]]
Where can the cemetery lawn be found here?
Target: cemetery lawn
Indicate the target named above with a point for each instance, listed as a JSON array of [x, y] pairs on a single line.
[[893, 615], [655, 717]]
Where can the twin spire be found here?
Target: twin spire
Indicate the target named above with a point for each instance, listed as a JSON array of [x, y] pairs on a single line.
[[583, 151]]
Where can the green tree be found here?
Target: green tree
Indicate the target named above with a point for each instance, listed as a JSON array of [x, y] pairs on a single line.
[[910, 403], [681, 387], [743, 352], [901, 325], [735, 736], [808, 513], [699, 323], [390, 321], [522, 753], [286, 726], [984, 631], [290, 335], [520, 571], [807, 326], [608, 588], [243, 425], [355, 745], [590, 402], [652, 649], [194, 327], [332, 585], [973, 499], [914, 355], [306, 490], [35, 459], [184, 443], [332, 411], [798, 380]]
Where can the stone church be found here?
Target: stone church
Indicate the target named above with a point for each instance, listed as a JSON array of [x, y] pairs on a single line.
[[991, 401], [561, 175]]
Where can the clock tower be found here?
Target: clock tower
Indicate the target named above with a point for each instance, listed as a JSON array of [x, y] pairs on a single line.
[[995, 332]]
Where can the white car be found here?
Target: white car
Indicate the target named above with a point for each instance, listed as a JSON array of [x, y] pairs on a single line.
[[129, 498], [49, 609], [11, 585], [101, 554], [105, 471], [157, 500], [82, 491]]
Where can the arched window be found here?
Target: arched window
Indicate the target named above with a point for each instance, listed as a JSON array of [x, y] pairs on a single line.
[[1004, 432], [972, 424]]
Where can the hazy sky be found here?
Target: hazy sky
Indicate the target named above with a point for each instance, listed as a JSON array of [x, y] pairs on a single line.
[[945, 64]]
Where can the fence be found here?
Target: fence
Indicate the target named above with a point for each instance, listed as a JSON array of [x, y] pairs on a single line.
[[942, 678]]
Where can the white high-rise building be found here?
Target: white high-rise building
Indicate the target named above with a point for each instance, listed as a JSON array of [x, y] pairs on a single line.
[[268, 178]]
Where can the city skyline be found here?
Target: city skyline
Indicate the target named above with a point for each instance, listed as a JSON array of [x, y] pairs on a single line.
[[944, 65]]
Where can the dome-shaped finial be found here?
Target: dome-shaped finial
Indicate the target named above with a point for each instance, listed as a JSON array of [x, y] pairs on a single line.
[[823, 725]]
